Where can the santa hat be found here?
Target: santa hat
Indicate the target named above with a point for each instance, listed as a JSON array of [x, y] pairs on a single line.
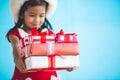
[[16, 5]]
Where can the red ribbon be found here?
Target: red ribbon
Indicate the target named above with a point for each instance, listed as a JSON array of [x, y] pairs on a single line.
[[67, 38], [43, 38], [51, 60], [42, 34], [34, 31]]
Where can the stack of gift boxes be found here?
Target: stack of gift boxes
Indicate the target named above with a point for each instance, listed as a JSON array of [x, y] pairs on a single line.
[[50, 51]]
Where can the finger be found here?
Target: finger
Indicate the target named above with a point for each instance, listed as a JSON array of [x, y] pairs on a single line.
[[23, 65], [19, 68], [20, 65], [22, 69], [71, 69]]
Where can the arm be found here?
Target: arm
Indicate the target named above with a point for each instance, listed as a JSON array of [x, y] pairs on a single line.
[[17, 53]]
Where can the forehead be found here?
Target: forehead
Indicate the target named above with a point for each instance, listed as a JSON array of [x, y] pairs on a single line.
[[36, 9]]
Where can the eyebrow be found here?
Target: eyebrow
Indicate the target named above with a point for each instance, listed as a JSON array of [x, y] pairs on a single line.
[[35, 13]]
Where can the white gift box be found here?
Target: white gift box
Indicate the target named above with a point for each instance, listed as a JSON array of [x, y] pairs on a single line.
[[54, 63]]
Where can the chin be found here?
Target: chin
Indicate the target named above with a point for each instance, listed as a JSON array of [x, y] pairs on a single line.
[[35, 27]]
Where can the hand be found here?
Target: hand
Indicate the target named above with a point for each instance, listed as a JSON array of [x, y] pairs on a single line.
[[20, 65], [18, 58], [71, 69]]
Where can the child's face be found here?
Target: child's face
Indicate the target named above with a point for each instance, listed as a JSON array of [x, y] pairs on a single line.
[[34, 16]]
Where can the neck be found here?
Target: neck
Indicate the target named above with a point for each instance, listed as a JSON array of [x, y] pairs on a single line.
[[26, 29]]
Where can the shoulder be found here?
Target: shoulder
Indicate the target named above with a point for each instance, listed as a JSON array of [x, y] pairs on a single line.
[[13, 32]]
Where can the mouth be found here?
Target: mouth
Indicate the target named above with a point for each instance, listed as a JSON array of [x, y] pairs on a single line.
[[35, 25]]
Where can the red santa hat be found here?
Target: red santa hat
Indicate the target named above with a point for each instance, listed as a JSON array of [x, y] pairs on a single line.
[[16, 5]]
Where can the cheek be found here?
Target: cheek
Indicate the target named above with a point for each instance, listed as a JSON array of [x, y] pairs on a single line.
[[42, 21], [28, 20]]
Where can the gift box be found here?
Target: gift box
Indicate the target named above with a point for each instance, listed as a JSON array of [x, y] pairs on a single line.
[[51, 62], [35, 37], [66, 38], [43, 49]]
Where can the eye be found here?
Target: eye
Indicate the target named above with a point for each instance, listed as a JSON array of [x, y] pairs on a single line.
[[42, 15], [31, 15]]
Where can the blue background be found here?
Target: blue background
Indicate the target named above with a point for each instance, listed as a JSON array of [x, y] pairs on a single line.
[[97, 23]]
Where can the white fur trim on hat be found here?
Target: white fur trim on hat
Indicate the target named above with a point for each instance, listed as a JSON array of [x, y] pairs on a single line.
[[52, 7], [16, 5]]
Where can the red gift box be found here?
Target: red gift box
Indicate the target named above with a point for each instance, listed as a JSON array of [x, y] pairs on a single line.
[[43, 49], [66, 38]]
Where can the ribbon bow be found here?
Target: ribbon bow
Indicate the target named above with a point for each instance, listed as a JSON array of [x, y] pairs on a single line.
[[35, 32], [69, 37]]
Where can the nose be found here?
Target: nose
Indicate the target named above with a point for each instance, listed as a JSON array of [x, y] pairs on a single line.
[[36, 20]]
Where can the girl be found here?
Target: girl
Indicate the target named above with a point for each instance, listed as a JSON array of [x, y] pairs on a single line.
[[32, 13]]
